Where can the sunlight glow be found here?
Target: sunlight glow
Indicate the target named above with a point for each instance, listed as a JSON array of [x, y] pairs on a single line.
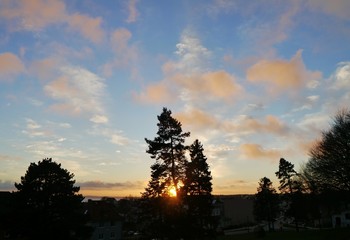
[[172, 192]]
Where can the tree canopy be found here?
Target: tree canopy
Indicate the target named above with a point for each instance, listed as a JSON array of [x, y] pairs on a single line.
[[329, 165], [48, 204], [169, 151], [266, 202]]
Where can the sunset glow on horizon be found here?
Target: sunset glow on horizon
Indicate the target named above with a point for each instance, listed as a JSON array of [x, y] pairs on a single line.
[[82, 82]]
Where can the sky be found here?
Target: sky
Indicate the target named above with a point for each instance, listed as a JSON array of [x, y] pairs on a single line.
[[82, 82]]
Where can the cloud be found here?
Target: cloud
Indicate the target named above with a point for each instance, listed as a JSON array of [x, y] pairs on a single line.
[[78, 91], [269, 30], [9, 158], [89, 27], [242, 125], [133, 13], [119, 139], [44, 68], [341, 76], [99, 119], [337, 8], [7, 185], [33, 129], [125, 53], [270, 124], [35, 15], [217, 85], [10, 65], [282, 75], [114, 185], [156, 93], [193, 55], [197, 118], [256, 151]]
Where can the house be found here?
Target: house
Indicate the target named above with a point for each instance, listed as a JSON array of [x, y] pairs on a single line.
[[5, 200], [341, 220], [104, 219], [236, 210]]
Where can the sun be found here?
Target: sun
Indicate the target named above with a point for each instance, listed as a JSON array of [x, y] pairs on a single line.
[[172, 192]]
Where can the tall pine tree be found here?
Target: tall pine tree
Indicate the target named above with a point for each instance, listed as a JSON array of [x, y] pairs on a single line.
[[169, 151], [196, 194]]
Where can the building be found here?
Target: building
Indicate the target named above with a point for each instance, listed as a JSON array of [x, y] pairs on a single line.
[[104, 219], [237, 210], [341, 220]]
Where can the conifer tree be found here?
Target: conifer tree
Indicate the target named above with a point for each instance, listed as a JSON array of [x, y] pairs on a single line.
[[197, 193], [168, 150], [266, 202]]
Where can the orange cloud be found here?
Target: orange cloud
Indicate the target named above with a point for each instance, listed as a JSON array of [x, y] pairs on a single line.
[[34, 14], [271, 125], [10, 64], [119, 40], [255, 151], [126, 53], [157, 93], [339, 8], [44, 68], [216, 85], [282, 74], [89, 27], [197, 118]]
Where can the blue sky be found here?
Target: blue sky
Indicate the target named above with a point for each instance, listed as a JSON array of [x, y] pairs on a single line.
[[83, 82]]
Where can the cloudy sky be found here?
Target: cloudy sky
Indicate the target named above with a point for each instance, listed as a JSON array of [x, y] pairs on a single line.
[[82, 82]]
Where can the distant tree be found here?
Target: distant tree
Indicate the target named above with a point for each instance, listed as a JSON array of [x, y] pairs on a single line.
[[197, 192], [286, 175], [169, 151], [48, 205], [328, 168], [266, 203], [291, 186]]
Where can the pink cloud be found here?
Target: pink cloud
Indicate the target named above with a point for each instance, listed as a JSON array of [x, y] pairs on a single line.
[[87, 26], [34, 15], [339, 8], [218, 85], [156, 93], [119, 40], [198, 119], [255, 151], [10, 65], [133, 13], [283, 75]]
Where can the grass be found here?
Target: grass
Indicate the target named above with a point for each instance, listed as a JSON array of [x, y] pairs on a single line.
[[331, 234]]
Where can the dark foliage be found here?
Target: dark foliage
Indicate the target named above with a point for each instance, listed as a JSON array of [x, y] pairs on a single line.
[[169, 151], [188, 215], [328, 168], [266, 203], [47, 204]]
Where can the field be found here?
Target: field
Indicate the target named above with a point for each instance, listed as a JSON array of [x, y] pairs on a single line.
[[331, 234]]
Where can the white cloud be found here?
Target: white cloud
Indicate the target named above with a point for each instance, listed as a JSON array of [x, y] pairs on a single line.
[[77, 91], [193, 55], [31, 124], [341, 76], [99, 119]]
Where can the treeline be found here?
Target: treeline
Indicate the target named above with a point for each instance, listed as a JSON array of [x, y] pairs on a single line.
[[177, 202], [321, 188]]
